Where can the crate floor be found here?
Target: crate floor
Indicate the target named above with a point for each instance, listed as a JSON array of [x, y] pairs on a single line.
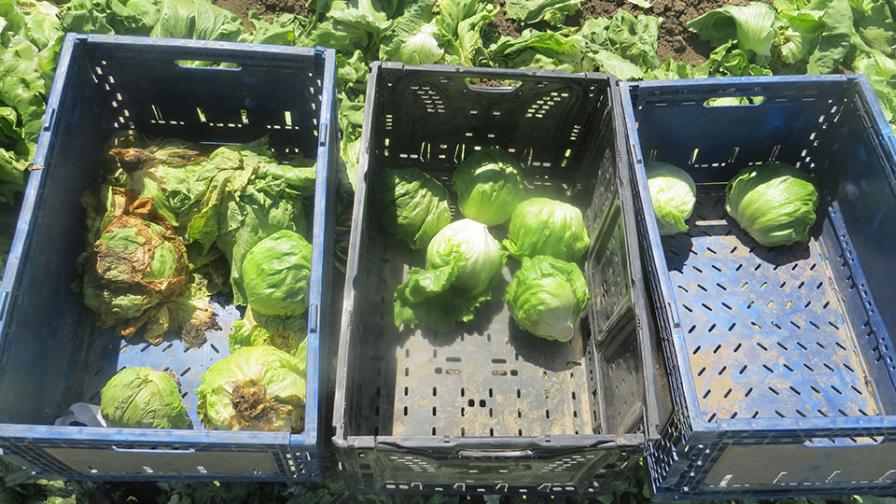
[[488, 378], [112, 353], [764, 327]]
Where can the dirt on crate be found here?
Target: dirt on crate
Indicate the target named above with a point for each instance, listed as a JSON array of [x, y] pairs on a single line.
[[267, 8], [675, 40]]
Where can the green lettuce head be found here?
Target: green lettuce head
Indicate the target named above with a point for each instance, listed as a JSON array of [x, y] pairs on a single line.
[[673, 194], [542, 226], [412, 205], [143, 397], [276, 272], [774, 202], [488, 186], [547, 296], [255, 329], [256, 388], [461, 261]]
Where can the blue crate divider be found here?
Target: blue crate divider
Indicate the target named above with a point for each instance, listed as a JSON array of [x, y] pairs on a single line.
[[781, 359], [51, 353]]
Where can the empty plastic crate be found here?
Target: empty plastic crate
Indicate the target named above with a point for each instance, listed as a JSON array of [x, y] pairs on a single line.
[[488, 408], [52, 354], [781, 359]]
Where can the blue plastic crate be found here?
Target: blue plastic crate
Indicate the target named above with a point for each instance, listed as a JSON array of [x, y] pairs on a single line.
[[781, 359], [51, 354]]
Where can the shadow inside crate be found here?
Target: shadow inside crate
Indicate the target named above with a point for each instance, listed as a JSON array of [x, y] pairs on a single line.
[[554, 356]]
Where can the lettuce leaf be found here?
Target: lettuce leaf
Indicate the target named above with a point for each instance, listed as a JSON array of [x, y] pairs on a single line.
[[459, 30], [751, 26], [553, 12]]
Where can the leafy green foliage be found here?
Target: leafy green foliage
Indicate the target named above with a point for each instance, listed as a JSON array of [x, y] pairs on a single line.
[[750, 25], [553, 12]]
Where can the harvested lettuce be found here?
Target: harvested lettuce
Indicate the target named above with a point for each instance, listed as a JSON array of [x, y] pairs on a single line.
[[547, 296], [276, 273], [136, 267], [461, 261], [488, 186], [775, 203], [673, 194], [542, 226], [257, 388], [412, 205], [255, 329], [143, 397]]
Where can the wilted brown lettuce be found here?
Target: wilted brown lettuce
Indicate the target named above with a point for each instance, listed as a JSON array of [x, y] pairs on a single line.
[[136, 274]]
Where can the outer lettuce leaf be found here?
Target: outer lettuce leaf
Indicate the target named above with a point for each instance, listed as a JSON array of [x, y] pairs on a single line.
[[728, 61], [89, 16], [427, 298], [412, 38], [673, 69], [553, 12], [459, 26], [34, 20], [196, 19], [836, 38], [635, 38], [624, 45], [544, 50], [881, 71], [875, 23], [278, 30], [12, 175], [351, 25], [750, 25], [615, 64], [22, 86]]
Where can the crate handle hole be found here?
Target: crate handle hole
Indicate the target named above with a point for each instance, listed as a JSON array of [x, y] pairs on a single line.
[[208, 65], [826, 442], [481, 85], [734, 101]]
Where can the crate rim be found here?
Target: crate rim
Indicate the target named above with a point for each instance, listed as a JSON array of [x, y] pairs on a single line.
[[310, 438], [474, 71], [566, 441], [799, 426]]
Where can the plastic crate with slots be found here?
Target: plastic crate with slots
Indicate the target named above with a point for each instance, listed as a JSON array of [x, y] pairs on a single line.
[[52, 354], [781, 358], [489, 408]]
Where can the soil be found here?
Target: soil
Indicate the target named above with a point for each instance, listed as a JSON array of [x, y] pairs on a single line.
[[267, 8], [509, 27], [675, 40]]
